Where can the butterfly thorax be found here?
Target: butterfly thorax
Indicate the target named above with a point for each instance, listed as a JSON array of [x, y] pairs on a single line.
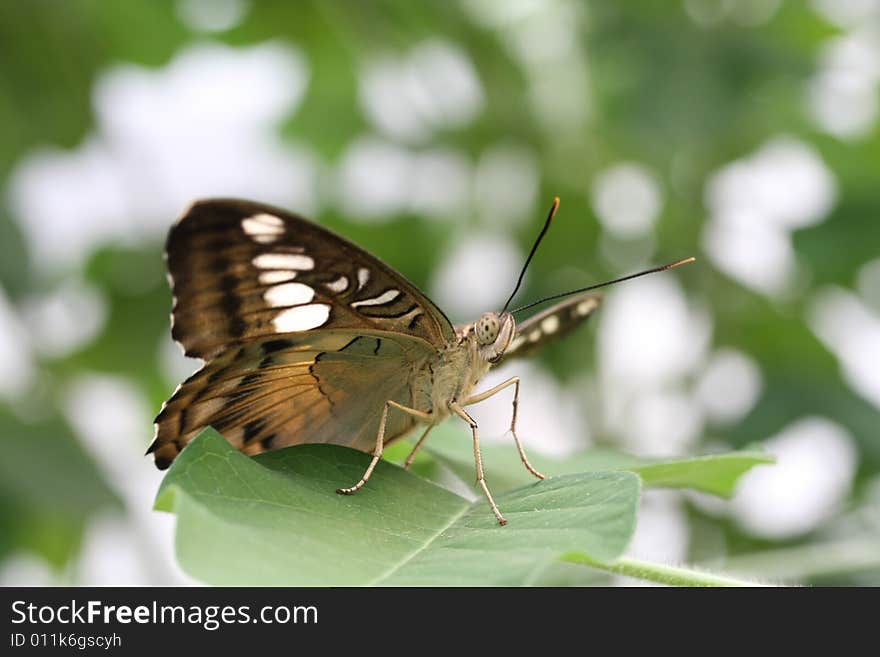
[[457, 368]]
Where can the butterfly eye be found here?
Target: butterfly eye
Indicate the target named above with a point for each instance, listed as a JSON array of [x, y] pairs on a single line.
[[487, 328]]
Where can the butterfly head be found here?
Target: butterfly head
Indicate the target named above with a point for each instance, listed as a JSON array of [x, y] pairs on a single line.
[[494, 332]]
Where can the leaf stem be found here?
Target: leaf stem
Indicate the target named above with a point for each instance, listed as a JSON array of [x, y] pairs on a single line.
[[660, 573]]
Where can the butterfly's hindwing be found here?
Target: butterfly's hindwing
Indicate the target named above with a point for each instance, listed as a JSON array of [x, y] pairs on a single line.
[[319, 387], [243, 271], [551, 324]]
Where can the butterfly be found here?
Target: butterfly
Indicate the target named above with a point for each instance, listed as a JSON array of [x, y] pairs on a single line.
[[308, 338]]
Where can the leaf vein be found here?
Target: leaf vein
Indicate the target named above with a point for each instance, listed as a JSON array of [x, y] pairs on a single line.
[[412, 555]]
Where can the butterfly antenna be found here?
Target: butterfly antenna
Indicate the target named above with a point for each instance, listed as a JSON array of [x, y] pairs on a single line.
[[543, 232], [671, 265]]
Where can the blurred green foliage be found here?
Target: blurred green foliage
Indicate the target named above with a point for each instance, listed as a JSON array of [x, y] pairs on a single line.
[[682, 98]]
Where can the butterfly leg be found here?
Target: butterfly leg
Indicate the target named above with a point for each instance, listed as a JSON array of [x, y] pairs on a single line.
[[380, 442], [417, 447], [478, 458], [514, 381]]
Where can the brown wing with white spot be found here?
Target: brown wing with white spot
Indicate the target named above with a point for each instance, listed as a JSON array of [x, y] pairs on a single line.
[[551, 324], [244, 271], [314, 387]]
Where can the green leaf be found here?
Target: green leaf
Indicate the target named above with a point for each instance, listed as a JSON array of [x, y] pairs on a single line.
[[450, 444], [49, 489], [277, 519], [714, 473]]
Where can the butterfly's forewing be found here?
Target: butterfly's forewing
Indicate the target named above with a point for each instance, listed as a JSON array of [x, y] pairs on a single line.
[[306, 335], [318, 387], [551, 324], [242, 271]]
